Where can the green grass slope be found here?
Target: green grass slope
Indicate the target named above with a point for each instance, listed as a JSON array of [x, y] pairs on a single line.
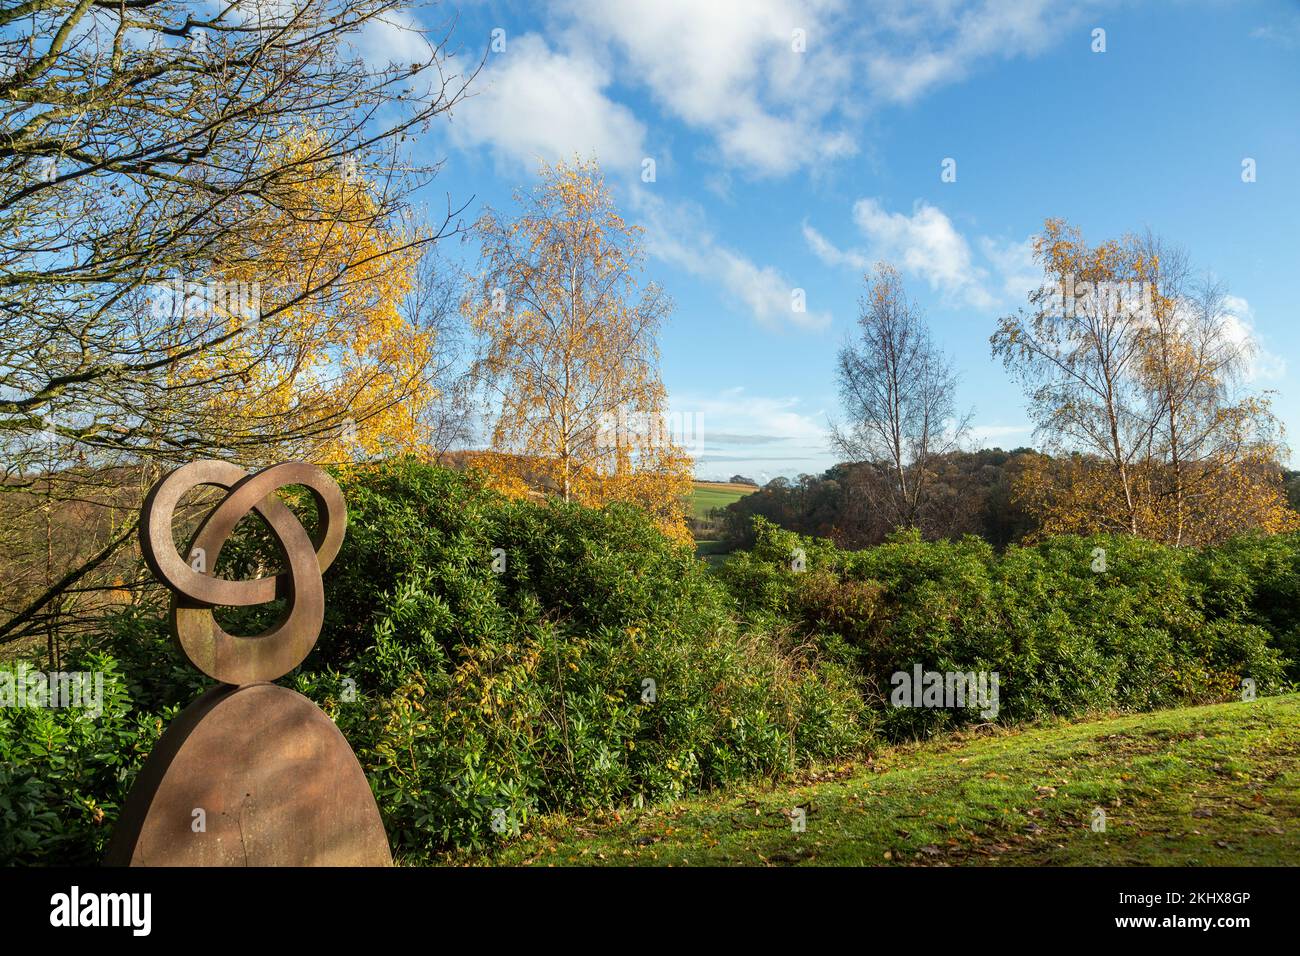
[[707, 495], [1195, 786]]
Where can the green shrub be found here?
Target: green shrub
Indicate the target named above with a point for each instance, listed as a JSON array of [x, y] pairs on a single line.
[[1157, 627], [65, 772], [471, 697], [1256, 579], [477, 694], [520, 692]]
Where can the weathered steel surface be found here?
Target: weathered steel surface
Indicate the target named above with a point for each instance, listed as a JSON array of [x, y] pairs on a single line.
[[275, 781], [225, 657], [250, 774]]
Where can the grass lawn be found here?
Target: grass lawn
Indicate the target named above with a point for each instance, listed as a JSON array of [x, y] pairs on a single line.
[[1193, 786]]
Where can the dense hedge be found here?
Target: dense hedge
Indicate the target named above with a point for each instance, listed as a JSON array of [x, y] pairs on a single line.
[[473, 693], [1159, 626]]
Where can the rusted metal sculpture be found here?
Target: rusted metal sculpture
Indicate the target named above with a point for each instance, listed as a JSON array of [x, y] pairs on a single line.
[[251, 773]]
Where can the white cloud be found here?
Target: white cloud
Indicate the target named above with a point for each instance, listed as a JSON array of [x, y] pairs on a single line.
[[1015, 266], [676, 234], [736, 412], [395, 37], [764, 291], [926, 244], [917, 47], [1286, 34], [534, 103], [760, 436], [728, 67], [830, 254], [1239, 324], [984, 436]]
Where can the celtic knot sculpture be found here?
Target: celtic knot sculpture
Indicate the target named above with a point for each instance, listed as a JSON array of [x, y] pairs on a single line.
[[226, 657], [250, 773]]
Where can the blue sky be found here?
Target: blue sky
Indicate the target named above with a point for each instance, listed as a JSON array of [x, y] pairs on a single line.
[[778, 170]]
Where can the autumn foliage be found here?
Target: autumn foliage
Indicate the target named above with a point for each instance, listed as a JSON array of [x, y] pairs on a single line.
[[331, 344], [1135, 377], [570, 355]]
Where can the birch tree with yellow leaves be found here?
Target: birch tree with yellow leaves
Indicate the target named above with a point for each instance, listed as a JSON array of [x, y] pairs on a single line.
[[569, 354], [1136, 376], [336, 363]]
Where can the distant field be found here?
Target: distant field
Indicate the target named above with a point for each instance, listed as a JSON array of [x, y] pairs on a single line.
[[707, 495]]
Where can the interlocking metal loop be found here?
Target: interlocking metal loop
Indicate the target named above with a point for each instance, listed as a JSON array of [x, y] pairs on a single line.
[[229, 658]]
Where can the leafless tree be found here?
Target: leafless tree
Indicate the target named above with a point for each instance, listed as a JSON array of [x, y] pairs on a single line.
[[898, 391]]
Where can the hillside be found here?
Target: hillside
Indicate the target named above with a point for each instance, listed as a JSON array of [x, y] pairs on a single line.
[[707, 495], [1212, 785]]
